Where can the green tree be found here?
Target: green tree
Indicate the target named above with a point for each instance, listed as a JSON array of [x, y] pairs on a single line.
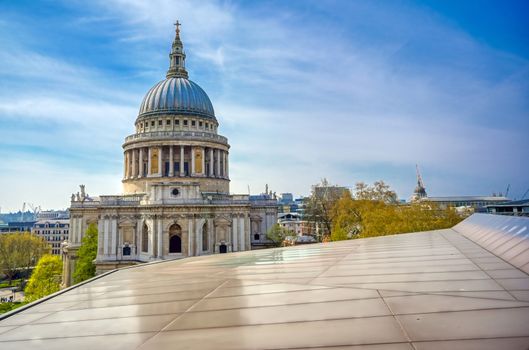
[[345, 218], [85, 268], [45, 279], [20, 252], [374, 211], [278, 234], [319, 207]]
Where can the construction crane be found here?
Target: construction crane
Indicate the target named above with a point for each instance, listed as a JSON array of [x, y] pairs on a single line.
[[34, 209], [507, 190], [525, 194]]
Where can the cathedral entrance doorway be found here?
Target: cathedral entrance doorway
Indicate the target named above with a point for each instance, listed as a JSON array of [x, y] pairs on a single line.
[[175, 242], [223, 248]]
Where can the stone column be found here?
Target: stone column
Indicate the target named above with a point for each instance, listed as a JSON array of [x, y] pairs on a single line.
[[182, 161], [171, 162], [241, 233], [189, 243], [160, 161], [227, 167], [224, 163], [73, 229], [150, 249], [79, 229], [100, 241], [140, 163], [234, 238], [160, 239], [198, 236], [139, 237], [134, 168], [247, 232], [192, 161], [149, 162], [114, 236], [211, 236], [105, 237], [211, 162], [125, 165], [190, 233], [218, 163], [203, 151]]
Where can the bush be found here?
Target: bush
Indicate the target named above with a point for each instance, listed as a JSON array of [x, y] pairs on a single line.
[[46, 278], [85, 268]]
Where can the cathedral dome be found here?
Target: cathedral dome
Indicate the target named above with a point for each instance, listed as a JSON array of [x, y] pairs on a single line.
[[177, 95]]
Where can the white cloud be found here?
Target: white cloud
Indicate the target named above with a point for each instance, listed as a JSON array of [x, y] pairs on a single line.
[[299, 99]]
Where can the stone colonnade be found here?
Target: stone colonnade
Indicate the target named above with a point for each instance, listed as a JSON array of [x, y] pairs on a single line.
[[176, 161], [234, 231]]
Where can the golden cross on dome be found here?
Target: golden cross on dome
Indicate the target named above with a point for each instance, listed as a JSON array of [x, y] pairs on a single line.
[[177, 24]]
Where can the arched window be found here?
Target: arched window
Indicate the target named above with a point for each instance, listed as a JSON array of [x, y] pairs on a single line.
[[175, 240], [145, 239], [256, 237], [205, 237]]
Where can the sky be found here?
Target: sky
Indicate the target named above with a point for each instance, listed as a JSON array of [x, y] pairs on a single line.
[[344, 90]]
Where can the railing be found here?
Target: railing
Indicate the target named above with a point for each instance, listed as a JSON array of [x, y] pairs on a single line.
[[123, 200], [142, 199], [185, 135]]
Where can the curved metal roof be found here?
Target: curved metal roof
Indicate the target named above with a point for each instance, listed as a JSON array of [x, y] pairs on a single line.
[[177, 95]]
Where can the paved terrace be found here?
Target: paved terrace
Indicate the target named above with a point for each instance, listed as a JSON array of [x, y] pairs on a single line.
[[429, 290]]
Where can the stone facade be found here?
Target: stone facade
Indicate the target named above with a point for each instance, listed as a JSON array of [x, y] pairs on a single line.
[[176, 200]]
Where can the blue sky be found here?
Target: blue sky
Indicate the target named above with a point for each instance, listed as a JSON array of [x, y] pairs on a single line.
[[347, 90]]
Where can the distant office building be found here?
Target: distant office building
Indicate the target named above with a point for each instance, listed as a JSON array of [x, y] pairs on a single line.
[[53, 214], [53, 231], [514, 208], [13, 227], [294, 222], [466, 201], [286, 198], [286, 203]]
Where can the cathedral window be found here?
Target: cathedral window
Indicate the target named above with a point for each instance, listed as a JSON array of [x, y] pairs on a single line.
[[152, 123], [185, 122], [192, 123], [160, 122], [168, 121], [200, 124], [205, 242], [177, 121]]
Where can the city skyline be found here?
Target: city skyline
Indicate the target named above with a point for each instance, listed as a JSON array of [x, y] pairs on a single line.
[[305, 90]]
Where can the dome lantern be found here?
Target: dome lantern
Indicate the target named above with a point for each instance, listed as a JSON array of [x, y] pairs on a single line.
[[177, 57]]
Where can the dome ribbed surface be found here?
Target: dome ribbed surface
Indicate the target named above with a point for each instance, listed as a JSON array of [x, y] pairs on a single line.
[[177, 95]]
